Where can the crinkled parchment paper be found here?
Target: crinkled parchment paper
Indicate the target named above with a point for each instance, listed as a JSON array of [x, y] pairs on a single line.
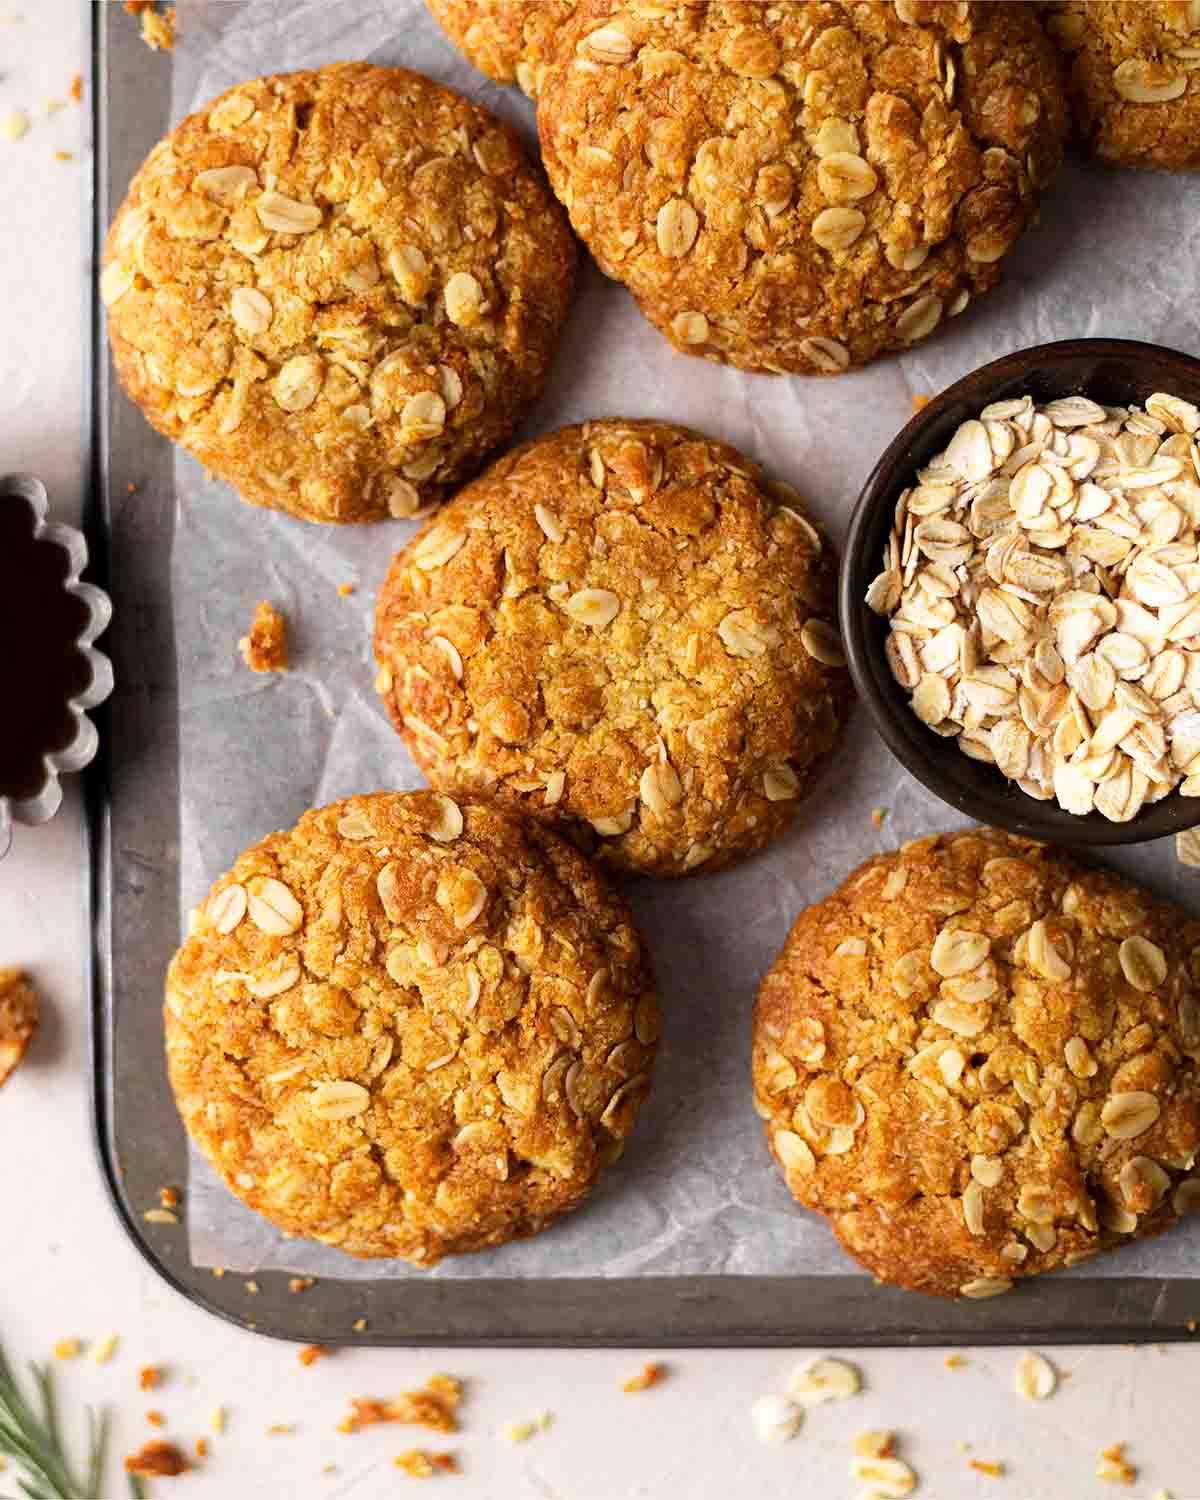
[[1115, 254]]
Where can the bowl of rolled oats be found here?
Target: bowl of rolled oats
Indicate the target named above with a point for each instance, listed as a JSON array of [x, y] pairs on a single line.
[[1020, 597]]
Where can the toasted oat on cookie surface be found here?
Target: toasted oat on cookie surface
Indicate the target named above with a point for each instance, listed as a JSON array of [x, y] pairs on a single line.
[[981, 1060], [340, 289], [1133, 69], [510, 40], [627, 629], [411, 1026], [801, 187], [18, 1020]]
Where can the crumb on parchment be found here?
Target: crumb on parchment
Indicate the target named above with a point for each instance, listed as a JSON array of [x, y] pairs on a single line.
[[157, 1459], [652, 1374], [418, 1464], [432, 1406], [311, 1353], [1114, 1467], [265, 649]]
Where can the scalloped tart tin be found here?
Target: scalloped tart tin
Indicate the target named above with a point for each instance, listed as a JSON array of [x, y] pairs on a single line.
[[50, 672]]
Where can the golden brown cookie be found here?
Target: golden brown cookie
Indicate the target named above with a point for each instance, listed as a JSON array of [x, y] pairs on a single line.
[[510, 40], [625, 628], [801, 187], [980, 1060], [18, 1020], [340, 289], [1134, 78], [411, 1026]]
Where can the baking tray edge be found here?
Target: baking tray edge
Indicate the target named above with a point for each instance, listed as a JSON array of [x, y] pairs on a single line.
[[660, 1312]]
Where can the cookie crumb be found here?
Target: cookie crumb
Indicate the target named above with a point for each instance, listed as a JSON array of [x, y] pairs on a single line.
[[252, 1288], [984, 1466], [878, 814], [217, 1420], [218, 1271], [157, 1459], [519, 1432], [19, 1010], [920, 402], [158, 29], [1190, 1325], [359, 1325], [1114, 1468], [168, 1197], [874, 1443], [201, 1447], [345, 590], [105, 1349], [150, 1376], [156, 1419], [14, 125], [652, 1374], [67, 1349], [281, 1429], [418, 1464], [311, 1353], [954, 1362], [76, 89], [300, 1284], [64, 156], [433, 1406], [265, 649]]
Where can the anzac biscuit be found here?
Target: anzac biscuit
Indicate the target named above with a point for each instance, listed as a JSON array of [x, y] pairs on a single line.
[[801, 187], [626, 628], [339, 289], [18, 1020], [981, 1060], [1134, 78], [509, 40], [411, 1026]]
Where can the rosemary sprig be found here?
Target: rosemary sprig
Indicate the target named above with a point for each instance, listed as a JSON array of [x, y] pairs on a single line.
[[30, 1435]]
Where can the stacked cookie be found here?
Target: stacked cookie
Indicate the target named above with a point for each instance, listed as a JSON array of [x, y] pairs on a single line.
[[422, 1024]]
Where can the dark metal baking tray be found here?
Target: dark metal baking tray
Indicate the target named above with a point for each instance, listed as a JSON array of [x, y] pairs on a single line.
[[133, 815]]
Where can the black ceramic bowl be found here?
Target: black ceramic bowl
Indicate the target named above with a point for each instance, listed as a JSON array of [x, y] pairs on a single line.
[[1115, 372]]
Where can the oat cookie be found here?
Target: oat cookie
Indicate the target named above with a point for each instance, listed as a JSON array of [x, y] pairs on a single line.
[[339, 289], [1134, 78], [18, 1020], [981, 1060], [626, 628], [411, 1026], [510, 40], [801, 187]]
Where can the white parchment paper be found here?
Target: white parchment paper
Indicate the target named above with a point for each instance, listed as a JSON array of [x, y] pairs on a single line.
[[696, 1191]]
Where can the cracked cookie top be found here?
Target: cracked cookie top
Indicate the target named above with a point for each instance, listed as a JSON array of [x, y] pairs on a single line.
[[411, 1026], [801, 187], [981, 1060], [626, 628], [339, 289]]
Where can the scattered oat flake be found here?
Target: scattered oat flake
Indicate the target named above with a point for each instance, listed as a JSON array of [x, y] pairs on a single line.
[[874, 1443], [519, 1432], [64, 156], [217, 1420], [157, 1459], [76, 89], [54, 105], [252, 1288], [150, 1376], [359, 1325], [14, 125], [105, 1349], [983, 1466], [311, 1353], [545, 1420], [954, 1362], [160, 1216], [824, 1380], [651, 1375], [281, 1429], [1113, 1466], [67, 1349], [300, 1284], [1035, 1377]]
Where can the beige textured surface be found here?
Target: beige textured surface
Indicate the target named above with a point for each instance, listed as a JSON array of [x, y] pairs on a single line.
[[18, 1020], [801, 187], [411, 1027], [1134, 78], [614, 626], [511, 41], [979, 1059], [340, 289]]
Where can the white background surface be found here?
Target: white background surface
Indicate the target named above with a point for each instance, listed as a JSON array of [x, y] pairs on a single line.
[[66, 1269]]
